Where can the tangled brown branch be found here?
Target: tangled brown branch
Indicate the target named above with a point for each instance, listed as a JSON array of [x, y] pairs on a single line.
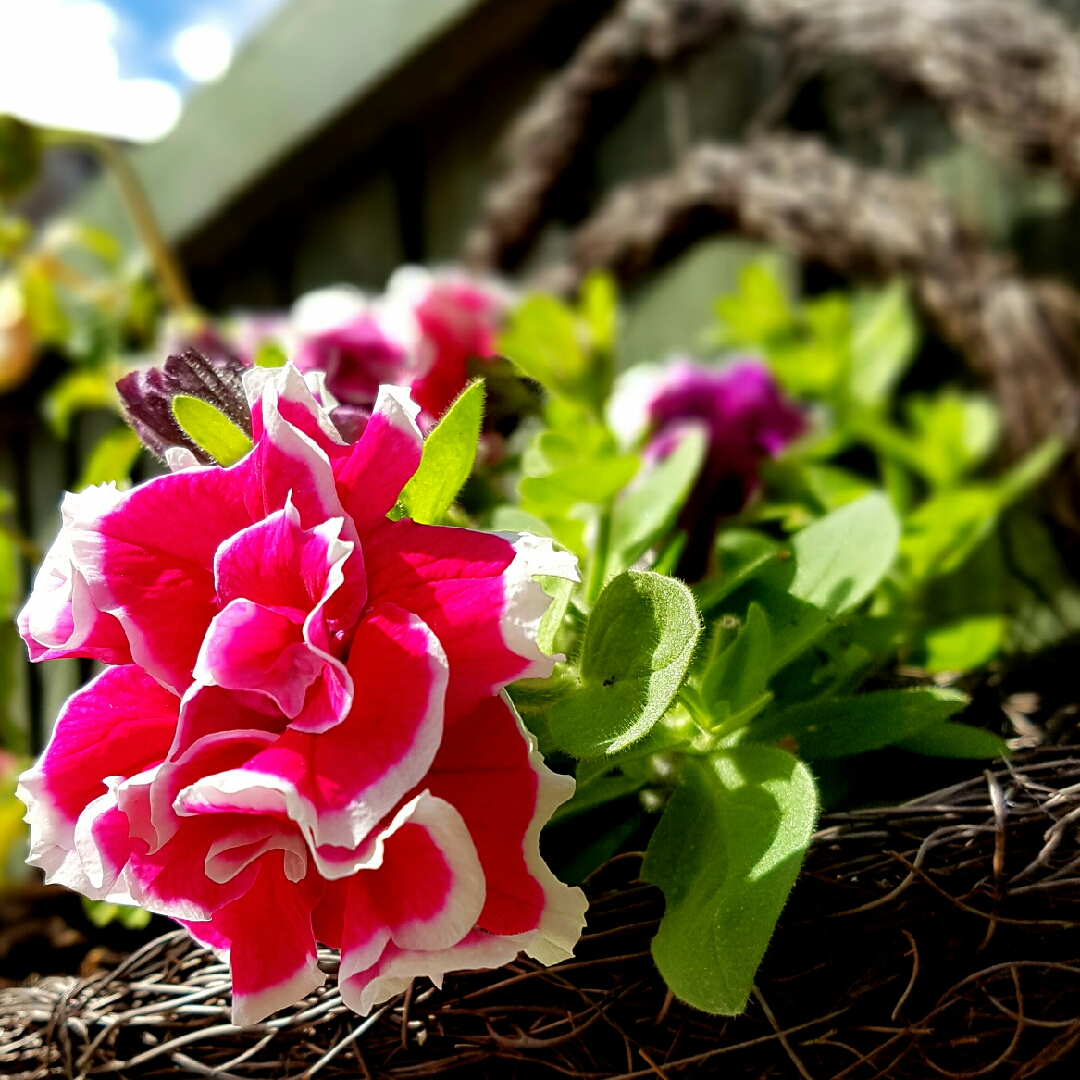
[[940, 937], [1006, 72]]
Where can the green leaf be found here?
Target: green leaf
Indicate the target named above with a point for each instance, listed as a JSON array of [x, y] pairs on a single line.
[[956, 741], [560, 590], [840, 727], [449, 454], [596, 481], [210, 429], [737, 677], [741, 553], [955, 433], [884, 337], [638, 645], [112, 459], [840, 559], [545, 342], [964, 644], [834, 487], [597, 791], [726, 854], [513, 519], [758, 311], [102, 912], [647, 511], [81, 390], [600, 309], [270, 354]]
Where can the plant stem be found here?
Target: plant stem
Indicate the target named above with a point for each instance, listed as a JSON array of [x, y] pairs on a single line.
[[599, 563], [173, 281]]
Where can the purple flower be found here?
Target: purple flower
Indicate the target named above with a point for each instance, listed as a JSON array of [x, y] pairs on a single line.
[[746, 418]]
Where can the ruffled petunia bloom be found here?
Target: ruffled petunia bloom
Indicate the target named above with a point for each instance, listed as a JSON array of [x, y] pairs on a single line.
[[746, 419], [457, 318], [301, 733]]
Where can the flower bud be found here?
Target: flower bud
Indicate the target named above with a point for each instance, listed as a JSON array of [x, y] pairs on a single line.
[[146, 397]]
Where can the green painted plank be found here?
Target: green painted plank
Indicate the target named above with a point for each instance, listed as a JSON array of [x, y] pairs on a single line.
[[300, 71]]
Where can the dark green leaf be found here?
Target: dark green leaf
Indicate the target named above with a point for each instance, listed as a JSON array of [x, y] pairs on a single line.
[[840, 727], [725, 854], [737, 677], [638, 645], [956, 741]]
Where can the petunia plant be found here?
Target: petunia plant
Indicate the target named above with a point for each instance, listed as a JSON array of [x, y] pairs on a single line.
[[333, 661]]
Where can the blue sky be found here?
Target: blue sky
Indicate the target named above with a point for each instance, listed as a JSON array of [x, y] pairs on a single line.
[[111, 66], [148, 27]]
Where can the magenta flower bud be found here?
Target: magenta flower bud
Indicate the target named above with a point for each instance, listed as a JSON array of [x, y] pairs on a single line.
[[146, 397]]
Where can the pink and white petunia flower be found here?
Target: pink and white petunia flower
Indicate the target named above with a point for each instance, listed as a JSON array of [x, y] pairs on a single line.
[[302, 734]]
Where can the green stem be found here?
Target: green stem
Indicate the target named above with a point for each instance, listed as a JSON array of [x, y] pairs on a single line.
[[173, 281], [598, 570]]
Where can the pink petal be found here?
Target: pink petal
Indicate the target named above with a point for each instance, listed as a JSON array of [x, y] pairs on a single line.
[[477, 592], [280, 565], [61, 619], [382, 462], [293, 575], [337, 786], [173, 880], [118, 725], [250, 647], [295, 403], [209, 710], [271, 945], [154, 553], [290, 463], [484, 762], [212, 753], [426, 894]]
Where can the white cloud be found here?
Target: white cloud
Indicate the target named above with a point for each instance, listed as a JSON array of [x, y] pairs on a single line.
[[59, 68], [203, 52]]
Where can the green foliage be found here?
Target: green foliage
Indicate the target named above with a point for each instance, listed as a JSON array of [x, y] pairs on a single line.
[[643, 514], [82, 389], [636, 651], [102, 912], [569, 351], [726, 854], [20, 156], [210, 429], [112, 459], [849, 353], [840, 727], [449, 453]]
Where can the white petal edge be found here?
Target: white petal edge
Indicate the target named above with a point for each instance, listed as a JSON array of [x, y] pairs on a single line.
[[525, 602]]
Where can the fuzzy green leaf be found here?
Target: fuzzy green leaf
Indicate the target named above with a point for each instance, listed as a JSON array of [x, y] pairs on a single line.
[[737, 677], [646, 512], [726, 854], [449, 454], [210, 429], [637, 648]]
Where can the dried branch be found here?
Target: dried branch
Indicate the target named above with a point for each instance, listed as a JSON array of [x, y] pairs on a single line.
[[1006, 71], [843, 966]]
